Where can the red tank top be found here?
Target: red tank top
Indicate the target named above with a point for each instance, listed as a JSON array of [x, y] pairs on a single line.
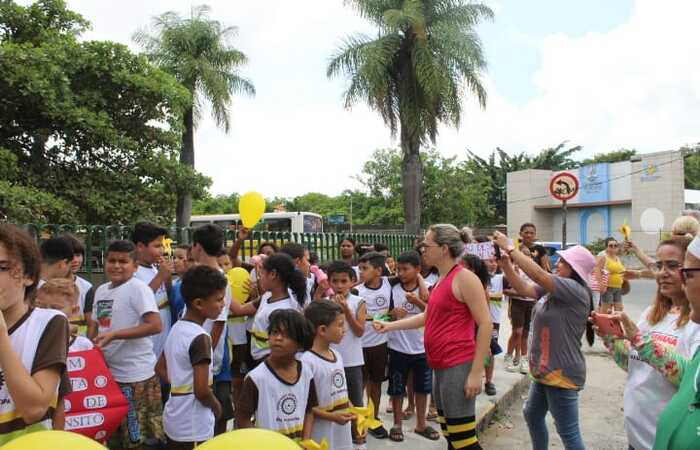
[[449, 327]]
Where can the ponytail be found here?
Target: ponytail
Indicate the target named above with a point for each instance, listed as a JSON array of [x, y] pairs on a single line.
[[292, 278]]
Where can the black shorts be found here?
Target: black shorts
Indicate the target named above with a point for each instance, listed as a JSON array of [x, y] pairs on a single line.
[[400, 364], [222, 392], [240, 361], [495, 348], [376, 359], [521, 313]]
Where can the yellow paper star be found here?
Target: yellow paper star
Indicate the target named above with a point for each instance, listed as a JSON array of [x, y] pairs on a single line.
[[167, 246], [625, 230], [310, 444], [365, 418]]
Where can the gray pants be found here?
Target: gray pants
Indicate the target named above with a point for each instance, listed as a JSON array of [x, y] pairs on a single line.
[[448, 391]]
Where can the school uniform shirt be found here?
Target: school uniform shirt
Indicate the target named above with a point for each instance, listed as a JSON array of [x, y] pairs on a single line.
[[310, 288], [409, 342], [278, 405], [377, 301], [236, 325], [259, 344], [79, 344], [117, 308], [495, 296], [147, 274], [647, 392], [84, 287], [186, 419], [40, 340], [218, 357], [431, 279], [350, 348], [332, 395]]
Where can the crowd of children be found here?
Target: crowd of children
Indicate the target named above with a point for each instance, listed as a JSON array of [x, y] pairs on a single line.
[[293, 357]]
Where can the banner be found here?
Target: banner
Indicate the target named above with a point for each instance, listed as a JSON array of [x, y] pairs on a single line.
[[484, 250], [96, 406]]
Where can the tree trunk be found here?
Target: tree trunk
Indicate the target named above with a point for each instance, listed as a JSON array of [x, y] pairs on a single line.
[[411, 182], [184, 198]]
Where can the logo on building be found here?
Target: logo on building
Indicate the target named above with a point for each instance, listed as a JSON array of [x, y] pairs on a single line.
[[649, 172], [591, 180]]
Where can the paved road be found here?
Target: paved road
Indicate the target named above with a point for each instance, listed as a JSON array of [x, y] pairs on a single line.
[[601, 412]]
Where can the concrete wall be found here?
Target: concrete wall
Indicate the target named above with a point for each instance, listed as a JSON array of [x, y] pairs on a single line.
[[620, 184], [526, 189]]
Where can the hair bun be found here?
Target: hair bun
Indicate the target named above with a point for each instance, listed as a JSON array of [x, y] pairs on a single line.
[[466, 234]]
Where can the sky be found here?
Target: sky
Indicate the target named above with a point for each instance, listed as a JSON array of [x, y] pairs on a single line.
[[601, 74]]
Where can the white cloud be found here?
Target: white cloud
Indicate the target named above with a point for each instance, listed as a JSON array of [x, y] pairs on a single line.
[[633, 86]]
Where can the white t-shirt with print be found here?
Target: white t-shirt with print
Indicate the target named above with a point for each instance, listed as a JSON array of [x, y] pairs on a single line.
[[496, 293], [209, 326], [377, 301], [350, 348], [647, 392], [147, 274], [259, 344], [409, 342], [118, 308]]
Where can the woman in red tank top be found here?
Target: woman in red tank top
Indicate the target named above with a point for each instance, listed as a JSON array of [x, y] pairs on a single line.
[[457, 302]]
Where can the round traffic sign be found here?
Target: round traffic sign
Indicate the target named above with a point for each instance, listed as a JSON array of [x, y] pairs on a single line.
[[564, 186]]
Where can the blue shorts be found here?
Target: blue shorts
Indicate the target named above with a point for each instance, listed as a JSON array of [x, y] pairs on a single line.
[[400, 364]]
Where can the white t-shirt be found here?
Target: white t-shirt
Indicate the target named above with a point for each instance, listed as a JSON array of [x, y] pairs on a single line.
[[147, 274], [259, 344], [79, 344], [186, 419], [377, 301], [209, 326], [350, 348], [84, 287], [130, 360], [496, 295], [310, 282], [409, 342], [332, 395], [431, 279], [647, 392]]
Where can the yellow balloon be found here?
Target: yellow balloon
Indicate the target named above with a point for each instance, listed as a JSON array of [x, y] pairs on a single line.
[[251, 207], [55, 440], [237, 277], [250, 438]]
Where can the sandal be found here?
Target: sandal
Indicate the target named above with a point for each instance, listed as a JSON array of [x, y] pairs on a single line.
[[429, 433], [379, 432], [432, 415], [396, 434]]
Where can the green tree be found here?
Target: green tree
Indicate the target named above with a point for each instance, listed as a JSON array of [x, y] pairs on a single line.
[[198, 52], [692, 166], [610, 157], [88, 122], [414, 72], [219, 204]]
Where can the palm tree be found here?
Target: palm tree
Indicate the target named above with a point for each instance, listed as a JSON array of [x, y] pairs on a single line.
[[414, 72], [198, 52]]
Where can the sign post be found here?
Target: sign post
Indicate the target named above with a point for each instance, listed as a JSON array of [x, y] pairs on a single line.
[[563, 186]]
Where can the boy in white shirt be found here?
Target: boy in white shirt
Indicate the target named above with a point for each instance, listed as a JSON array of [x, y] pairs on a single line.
[[191, 411], [154, 270], [125, 316], [81, 316], [495, 305]]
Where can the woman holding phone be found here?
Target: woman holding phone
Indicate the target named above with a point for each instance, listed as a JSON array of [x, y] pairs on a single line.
[[667, 322], [678, 425], [559, 320]]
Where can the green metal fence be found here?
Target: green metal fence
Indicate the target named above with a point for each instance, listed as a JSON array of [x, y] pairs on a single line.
[[326, 245]]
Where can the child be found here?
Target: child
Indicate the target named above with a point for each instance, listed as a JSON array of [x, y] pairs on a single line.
[[224, 261], [191, 411], [406, 350], [125, 316], [520, 314], [56, 257], [85, 288], [376, 292], [283, 284], [33, 342], [280, 392], [331, 416], [181, 261], [495, 296], [155, 271], [300, 256], [341, 276]]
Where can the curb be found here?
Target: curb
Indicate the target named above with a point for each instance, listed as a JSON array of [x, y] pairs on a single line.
[[504, 402]]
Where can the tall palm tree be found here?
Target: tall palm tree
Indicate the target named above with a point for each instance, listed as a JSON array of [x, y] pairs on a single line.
[[414, 72], [198, 52]]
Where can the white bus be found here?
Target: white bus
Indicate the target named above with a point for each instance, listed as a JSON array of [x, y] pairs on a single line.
[[295, 222]]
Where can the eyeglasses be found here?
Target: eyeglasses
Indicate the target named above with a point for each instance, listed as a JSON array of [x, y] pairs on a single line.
[[424, 246], [671, 265], [685, 271]]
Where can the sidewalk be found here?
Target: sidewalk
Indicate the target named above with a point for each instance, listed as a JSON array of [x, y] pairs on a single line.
[[510, 387]]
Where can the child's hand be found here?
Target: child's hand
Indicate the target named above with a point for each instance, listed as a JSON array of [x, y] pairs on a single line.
[[243, 234], [341, 418], [216, 409], [413, 298], [341, 301], [252, 288], [380, 326], [102, 339], [398, 313], [165, 267]]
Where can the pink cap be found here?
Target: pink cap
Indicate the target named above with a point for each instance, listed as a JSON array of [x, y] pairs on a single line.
[[580, 259]]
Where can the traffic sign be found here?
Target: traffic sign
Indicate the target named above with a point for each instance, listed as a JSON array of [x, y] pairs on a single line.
[[564, 186]]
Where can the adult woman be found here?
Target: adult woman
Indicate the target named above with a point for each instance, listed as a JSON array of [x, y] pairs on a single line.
[[457, 303], [347, 251], [667, 322], [678, 425], [559, 319], [611, 296]]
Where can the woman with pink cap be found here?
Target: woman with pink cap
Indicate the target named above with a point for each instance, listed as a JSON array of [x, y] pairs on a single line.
[[559, 320]]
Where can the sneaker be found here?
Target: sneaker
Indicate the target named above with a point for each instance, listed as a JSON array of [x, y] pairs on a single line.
[[490, 389], [524, 366], [513, 367], [508, 360]]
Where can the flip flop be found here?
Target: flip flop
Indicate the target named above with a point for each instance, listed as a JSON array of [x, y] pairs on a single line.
[[379, 432], [429, 433], [396, 434]]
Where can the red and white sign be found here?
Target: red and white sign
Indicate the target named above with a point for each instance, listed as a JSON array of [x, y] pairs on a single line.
[[96, 406], [564, 186]]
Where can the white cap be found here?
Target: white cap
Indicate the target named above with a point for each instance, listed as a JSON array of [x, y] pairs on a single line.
[[694, 247]]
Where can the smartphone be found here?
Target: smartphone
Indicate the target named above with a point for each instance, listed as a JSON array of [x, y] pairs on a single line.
[[608, 325]]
